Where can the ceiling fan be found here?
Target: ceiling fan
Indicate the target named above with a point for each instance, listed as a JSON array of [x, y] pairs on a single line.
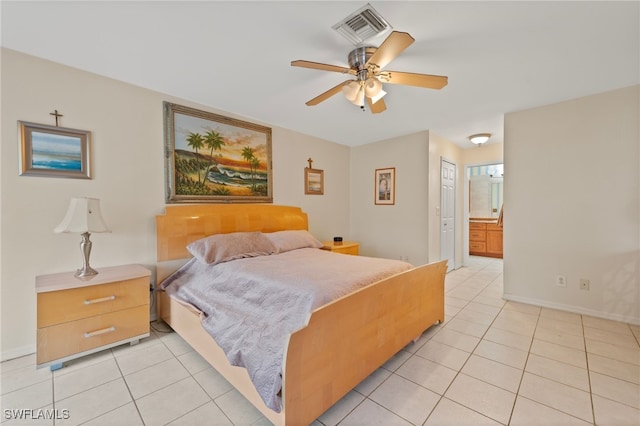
[[366, 64]]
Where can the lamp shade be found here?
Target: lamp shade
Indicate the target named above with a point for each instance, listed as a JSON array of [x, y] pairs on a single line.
[[83, 216]]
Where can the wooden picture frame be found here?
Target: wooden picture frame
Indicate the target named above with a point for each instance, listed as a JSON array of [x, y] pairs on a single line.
[[211, 158], [313, 181], [52, 151], [385, 186]]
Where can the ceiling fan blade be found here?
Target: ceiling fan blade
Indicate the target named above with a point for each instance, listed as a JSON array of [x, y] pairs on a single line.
[[326, 95], [321, 67], [390, 48], [412, 79], [377, 107]]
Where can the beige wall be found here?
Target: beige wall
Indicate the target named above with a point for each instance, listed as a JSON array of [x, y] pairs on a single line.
[[572, 204], [128, 176], [398, 231]]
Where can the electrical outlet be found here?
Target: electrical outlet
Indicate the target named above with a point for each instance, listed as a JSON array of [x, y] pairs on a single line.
[[561, 280], [584, 284]]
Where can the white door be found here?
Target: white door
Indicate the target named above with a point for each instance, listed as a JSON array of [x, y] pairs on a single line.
[[447, 212]]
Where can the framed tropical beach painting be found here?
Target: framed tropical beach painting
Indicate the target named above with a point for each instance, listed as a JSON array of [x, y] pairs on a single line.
[[215, 159], [53, 151]]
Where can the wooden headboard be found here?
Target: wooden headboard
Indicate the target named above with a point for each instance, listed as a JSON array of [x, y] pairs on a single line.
[[182, 224]]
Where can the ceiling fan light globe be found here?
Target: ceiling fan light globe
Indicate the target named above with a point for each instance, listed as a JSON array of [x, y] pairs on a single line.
[[350, 90], [372, 87], [359, 99]]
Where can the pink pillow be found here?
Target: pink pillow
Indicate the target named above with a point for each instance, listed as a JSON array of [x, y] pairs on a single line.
[[225, 247], [292, 239]]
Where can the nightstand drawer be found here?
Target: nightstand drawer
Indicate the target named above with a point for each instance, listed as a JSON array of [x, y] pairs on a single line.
[[353, 249], [56, 307], [345, 247], [74, 337]]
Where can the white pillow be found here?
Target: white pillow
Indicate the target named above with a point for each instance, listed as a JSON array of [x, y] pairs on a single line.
[[225, 247], [292, 239]]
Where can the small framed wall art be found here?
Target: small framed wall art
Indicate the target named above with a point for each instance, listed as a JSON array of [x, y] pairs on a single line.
[[313, 181], [385, 186], [53, 151]]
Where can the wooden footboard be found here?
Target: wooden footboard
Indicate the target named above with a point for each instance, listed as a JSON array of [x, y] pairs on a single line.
[[348, 339], [344, 342]]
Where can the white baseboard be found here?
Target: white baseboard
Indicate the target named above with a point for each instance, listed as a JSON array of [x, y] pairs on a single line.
[[17, 352], [571, 308]]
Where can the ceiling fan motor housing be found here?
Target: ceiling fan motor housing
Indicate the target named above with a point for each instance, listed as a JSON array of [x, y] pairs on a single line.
[[359, 56]]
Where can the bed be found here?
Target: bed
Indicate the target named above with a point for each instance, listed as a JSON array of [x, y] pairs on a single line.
[[343, 342]]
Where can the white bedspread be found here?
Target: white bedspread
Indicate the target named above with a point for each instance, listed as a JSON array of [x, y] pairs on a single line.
[[251, 306]]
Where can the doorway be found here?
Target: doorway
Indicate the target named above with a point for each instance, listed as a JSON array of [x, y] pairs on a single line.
[[447, 212]]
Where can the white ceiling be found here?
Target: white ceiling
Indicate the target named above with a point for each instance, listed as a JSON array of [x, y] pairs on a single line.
[[235, 56]]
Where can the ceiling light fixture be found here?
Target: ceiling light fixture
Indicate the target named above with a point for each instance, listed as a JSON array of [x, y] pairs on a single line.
[[479, 138]]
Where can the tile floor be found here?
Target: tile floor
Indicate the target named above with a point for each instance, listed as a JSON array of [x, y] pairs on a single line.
[[492, 362]]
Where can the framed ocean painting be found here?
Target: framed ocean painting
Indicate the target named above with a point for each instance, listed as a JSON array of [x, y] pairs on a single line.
[[211, 158], [53, 151]]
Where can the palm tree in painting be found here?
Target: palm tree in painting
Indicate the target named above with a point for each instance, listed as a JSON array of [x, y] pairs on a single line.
[[196, 141], [247, 154], [213, 141], [255, 163]]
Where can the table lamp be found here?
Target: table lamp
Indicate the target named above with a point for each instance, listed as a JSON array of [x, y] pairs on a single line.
[[83, 217]]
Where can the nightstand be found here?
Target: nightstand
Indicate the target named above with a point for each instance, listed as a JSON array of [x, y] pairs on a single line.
[[345, 247], [77, 317]]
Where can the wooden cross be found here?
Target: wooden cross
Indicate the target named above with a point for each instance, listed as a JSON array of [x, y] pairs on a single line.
[[310, 162], [56, 114]]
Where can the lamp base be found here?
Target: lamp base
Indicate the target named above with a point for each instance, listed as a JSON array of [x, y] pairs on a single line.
[[85, 246], [85, 271]]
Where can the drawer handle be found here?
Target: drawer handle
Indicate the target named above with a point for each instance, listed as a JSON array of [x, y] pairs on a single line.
[[102, 299], [99, 332]]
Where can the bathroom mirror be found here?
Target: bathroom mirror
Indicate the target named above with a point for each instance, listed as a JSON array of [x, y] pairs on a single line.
[[485, 190]]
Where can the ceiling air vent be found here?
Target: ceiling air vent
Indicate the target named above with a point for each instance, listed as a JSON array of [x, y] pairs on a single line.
[[362, 25]]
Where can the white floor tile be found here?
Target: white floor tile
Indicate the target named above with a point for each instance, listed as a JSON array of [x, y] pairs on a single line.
[[615, 389], [443, 354], [127, 415], [556, 395], [456, 339], [428, 374], [209, 411], [560, 353], [508, 338], [370, 413], [489, 400], [374, 380], [493, 372], [558, 371], [501, 353], [82, 379], [341, 409], [614, 368], [94, 402], [410, 401], [611, 413], [449, 413], [157, 376], [531, 413], [237, 408], [213, 383], [171, 402]]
